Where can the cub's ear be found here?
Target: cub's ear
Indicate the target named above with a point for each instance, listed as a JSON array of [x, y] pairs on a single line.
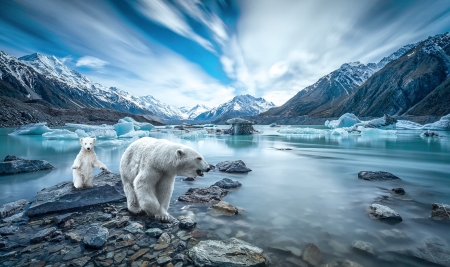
[[180, 153], [93, 140], [81, 140]]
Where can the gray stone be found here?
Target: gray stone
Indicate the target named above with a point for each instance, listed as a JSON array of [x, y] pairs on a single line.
[[163, 260], [134, 228], [96, 236], [224, 208], [440, 211], [73, 237], [312, 254], [12, 207], [63, 218], [14, 218], [9, 230], [204, 195], [186, 223], [233, 166], [376, 176], [229, 252], [227, 183], [154, 232], [164, 239], [80, 261], [399, 191], [363, 246], [13, 164], [348, 263], [377, 211], [65, 197], [41, 235]]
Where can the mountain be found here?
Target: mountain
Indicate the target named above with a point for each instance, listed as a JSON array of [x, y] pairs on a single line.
[[192, 113], [417, 83], [161, 109], [331, 90], [243, 105], [45, 79]]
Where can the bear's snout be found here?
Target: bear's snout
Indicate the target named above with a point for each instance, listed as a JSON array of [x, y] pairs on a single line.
[[208, 169], [88, 148]]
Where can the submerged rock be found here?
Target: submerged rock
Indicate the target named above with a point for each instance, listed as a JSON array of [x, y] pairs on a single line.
[[224, 208], [230, 252], [433, 250], [399, 191], [363, 246], [154, 232], [186, 223], [204, 195], [65, 197], [227, 183], [13, 164], [232, 166], [377, 211], [376, 176], [312, 254], [9, 209], [429, 133], [440, 211]]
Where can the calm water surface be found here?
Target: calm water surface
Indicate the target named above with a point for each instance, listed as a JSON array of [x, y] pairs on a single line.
[[310, 194]]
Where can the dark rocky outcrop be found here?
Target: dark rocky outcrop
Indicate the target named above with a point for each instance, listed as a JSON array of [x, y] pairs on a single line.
[[440, 211], [204, 195], [312, 254], [13, 164], [230, 252], [232, 166], [11, 208], [227, 183], [376, 176], [240, 126], [65, 197], [398, 191]]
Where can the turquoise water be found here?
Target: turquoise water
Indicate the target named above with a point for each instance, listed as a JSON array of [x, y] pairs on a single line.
[[310, 194]]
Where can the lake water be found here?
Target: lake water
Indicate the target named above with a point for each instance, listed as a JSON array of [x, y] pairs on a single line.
[[310, 194]]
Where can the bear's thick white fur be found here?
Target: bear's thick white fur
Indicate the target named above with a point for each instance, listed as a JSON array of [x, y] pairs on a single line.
[[148, 168], [84, 164]]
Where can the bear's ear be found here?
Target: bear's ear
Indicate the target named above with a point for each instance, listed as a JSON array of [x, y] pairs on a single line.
[[93, 140], [180, 153], [81, 141]]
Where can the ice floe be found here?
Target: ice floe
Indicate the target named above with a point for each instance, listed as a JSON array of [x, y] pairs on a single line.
[[32, 129], [60, 134], [346, 120], [442, 124], [194, 134], [294, 130], [144, 126]]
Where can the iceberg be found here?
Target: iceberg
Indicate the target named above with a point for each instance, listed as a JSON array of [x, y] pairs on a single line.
[[442, 124], [133, 134], [123, 128], [339, 132], [90, 128], [32, 129], [194, 134], [289, 130], [103, 133], [81, 133], [386, 123], [145, 126], [408, 125], [346, 120], [378, 132], [60, 134], [111, 143]]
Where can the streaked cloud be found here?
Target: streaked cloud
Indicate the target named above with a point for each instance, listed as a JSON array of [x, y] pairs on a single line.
[[91, 62]]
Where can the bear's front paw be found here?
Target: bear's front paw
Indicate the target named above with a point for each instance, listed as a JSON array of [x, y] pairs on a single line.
[[163, 218], [105, 169]]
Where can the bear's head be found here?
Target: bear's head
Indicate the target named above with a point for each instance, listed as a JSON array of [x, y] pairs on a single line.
[[191, 163], [87, 143]]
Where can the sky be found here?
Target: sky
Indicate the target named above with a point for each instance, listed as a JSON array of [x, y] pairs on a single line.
[[188, 52]]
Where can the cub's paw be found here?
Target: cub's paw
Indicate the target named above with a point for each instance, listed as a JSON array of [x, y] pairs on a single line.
[[164, 218], [104, 169]]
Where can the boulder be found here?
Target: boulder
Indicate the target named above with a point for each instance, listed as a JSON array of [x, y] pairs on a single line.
[[376, 176], [312, 254], [154, 232], [65, 197], [96, 236], [440, 211], [363, 246], [224, 208], [377, 211], [230, 252], [9, 209], [186, 223], [227, 183], [232, 166], [13, 164], [204, 195], [41, 235], [398, 191]]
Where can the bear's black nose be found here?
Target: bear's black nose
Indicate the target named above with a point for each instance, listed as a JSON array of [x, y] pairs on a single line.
[[88, 148], [207, 170]]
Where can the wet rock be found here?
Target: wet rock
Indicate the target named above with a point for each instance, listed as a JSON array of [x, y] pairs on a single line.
[[429, 133], [105, 217], [377, 211], [73, 237], [204, 195], [136, 255], [348, 263], [227, 183], [15, 218], [312, 254], [73, 253], [440, 211], [80, 261], [229, 252], [63, 218], [11, 208], [186, 223], [224, 208], [134, 228], [164, 239], [119, 256], [363, 246], [41, 235], [154, 232], [233, 166], [433, 250], [13, 164], [399, 191], [163, 260], [9, 230], [96, 236], [64, 196], [163, 225], [376, 176]]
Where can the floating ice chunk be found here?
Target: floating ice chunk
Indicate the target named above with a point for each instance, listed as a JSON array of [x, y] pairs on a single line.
[[124, 128], [386, 122], [90, 128], [290, 130], [442, 124], [133, 134], [377, 132], [408, 125], [346, 120], [32, 129], [61, 134], [111, 143], [339, 131], [81, 133], [209, 125], [103, 133], [194, 134], [145, 126]]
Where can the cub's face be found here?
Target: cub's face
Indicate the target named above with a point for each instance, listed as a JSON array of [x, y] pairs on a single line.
[[191, 163], [87, 143]]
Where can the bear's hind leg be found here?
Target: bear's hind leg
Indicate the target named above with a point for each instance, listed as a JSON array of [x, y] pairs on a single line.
[[132, 203], [77, 179]]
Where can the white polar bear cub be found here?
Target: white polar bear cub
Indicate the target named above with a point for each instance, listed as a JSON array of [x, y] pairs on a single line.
[[148, 168], [84, 163]]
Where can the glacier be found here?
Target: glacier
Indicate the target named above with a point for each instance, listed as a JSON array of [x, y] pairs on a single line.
[[32, 129]]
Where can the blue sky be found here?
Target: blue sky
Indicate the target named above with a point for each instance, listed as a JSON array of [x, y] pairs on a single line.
[[185, 52]]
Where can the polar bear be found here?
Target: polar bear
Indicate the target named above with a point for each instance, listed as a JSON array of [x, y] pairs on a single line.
[[148, 168], [84, 163]]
